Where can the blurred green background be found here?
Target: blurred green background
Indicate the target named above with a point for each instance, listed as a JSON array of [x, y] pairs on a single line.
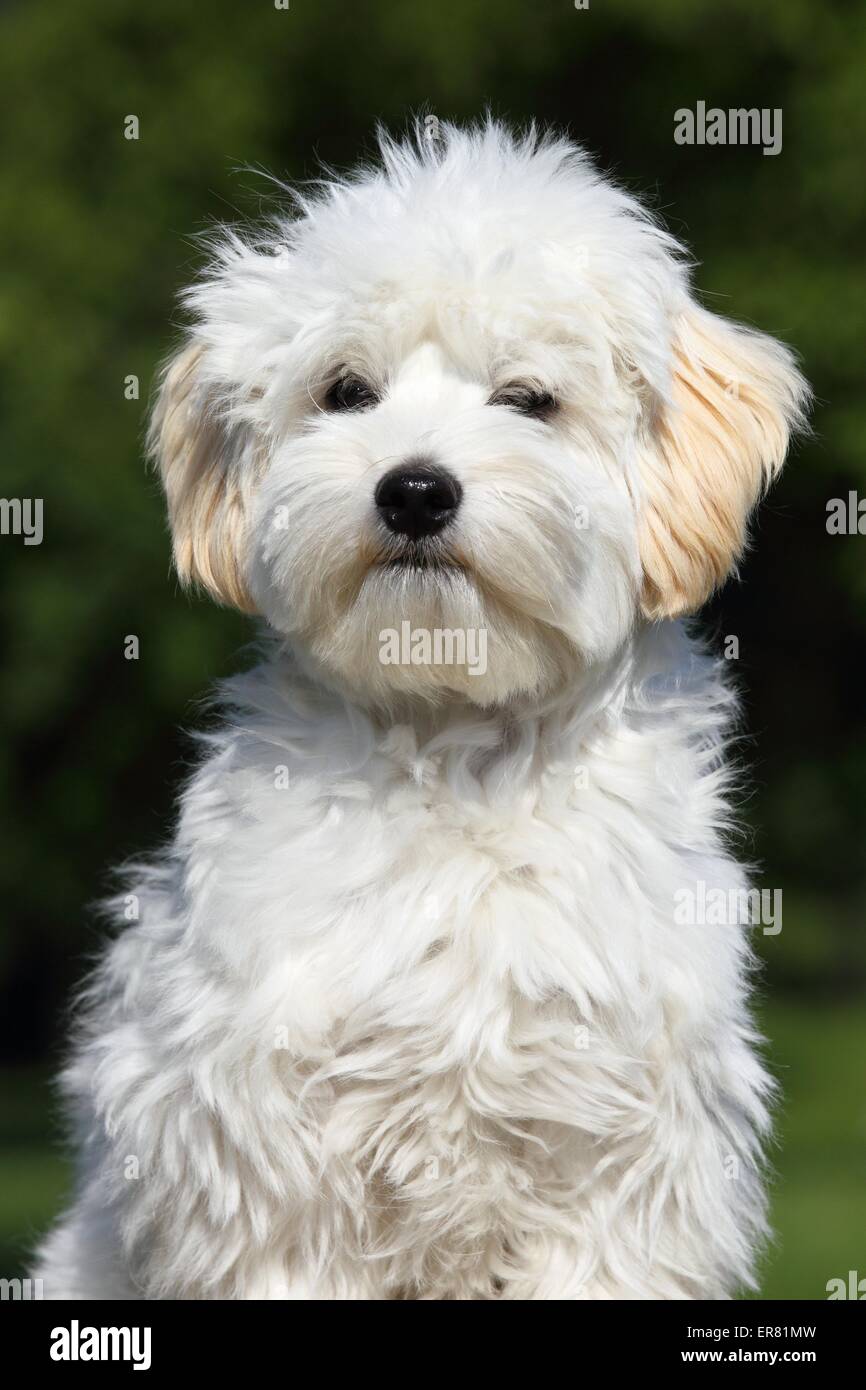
[[97, 238]]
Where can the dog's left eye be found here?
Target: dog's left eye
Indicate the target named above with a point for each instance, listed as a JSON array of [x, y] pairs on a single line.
[[351, 393], [527, 399]]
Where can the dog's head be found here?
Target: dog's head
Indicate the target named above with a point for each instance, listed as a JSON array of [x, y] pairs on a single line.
[[467, 392]]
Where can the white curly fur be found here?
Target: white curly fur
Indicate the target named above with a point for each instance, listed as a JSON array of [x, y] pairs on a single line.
[[406, 1012]]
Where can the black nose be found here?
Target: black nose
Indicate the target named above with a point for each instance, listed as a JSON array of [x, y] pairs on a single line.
[[417, 500]]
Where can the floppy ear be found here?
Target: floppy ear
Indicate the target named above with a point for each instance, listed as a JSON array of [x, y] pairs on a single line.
[[207, 465], [711, 451]]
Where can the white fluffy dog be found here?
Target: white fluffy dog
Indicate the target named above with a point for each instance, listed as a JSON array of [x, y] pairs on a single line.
[[404, 1011]]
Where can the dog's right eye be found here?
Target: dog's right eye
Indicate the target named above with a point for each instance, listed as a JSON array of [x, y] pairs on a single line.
[[351, 393]]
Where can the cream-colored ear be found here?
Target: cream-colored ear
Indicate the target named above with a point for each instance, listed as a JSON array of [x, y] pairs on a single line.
[[207, 471], [711, 451]]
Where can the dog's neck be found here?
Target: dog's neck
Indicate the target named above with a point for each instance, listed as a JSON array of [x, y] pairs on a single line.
[[490, 753]]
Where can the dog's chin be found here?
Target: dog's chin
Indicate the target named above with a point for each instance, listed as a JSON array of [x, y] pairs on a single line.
[[423, 624]]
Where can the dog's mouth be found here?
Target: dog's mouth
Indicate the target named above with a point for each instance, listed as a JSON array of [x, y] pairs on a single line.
[[419, 557], [427, 563]]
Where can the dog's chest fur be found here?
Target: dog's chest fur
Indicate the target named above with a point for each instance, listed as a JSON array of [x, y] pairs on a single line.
[[423, 1002]]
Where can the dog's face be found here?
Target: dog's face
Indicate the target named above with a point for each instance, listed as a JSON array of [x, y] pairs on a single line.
[[460, 426]]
